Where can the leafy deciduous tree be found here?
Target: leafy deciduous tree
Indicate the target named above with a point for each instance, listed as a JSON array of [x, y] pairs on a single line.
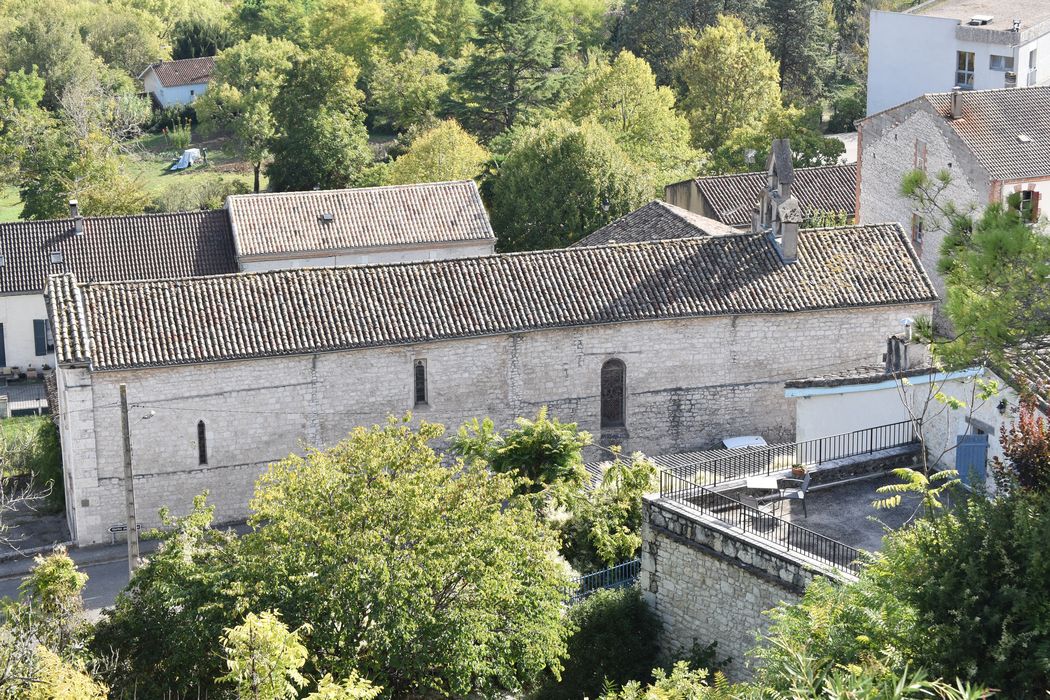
[[800, 44], [247, 79], [623, 97], [406, 92], [561, 182], [320, 138], [729, 81], [442, 154], [264, 657]]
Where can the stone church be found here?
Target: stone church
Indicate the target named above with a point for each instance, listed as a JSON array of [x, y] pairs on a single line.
[[662, 345]]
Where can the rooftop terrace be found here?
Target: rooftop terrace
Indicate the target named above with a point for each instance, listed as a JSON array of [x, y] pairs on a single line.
[[1003, 12]]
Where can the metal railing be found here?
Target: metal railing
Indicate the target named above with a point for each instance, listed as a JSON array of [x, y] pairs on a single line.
[[759, 524], [776, 458], [619, 576]]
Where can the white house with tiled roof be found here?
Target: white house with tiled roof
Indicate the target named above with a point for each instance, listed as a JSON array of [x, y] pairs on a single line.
[[176, 83], [104, 248], [993, 143], [400, 223], [660, 346]]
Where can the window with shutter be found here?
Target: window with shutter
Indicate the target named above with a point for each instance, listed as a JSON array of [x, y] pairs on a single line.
[[40, 336]]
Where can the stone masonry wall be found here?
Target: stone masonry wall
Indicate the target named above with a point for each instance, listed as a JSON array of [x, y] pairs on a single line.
[[689, 384], [888, 150], [707, 585]]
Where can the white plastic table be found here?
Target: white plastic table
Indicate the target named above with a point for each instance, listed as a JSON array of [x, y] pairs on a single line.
[[762, 483]]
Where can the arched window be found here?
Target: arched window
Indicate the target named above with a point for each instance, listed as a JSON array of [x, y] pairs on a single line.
[[614, 392], [202, 443]]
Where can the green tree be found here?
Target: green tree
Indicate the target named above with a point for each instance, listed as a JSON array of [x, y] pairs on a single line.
[[561, 182], [57, 679], [264, 657], [166, 624], [446, 580], [195, 37], [246, 81], [406, 92], [47, 39], [650, 28], [351, 27], [320, 138], [541, 454], [747, 147], [614, 641], [729, 81], [279, 19], [353, 688], [441, 26], [997, 269], [23, 88], [442, 154], [124, 37], [800, 43], [623, 97], [509, 72]]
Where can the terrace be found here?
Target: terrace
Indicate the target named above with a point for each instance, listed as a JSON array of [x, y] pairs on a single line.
[[838, 518]]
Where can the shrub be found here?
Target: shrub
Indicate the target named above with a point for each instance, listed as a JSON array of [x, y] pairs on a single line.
[[615, 641], [29, 446]]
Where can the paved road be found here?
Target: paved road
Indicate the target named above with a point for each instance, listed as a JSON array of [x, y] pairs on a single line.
[[105, 578]]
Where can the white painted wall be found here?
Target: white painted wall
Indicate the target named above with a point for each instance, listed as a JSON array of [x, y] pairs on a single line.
[[17, 313], [372, 256], [168, 96], [833, 410], [908, 55]]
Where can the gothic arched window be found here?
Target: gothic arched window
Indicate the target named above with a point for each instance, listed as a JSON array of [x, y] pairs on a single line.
[[614, 393]]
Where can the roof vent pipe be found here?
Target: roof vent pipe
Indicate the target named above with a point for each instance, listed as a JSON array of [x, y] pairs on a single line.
[[957, 102], [78, 220]]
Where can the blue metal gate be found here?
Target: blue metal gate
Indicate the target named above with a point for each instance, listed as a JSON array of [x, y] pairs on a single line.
[[971, 458]]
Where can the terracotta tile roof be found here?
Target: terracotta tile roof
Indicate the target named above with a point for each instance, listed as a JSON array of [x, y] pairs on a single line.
[[1008, 130], [823, 188], [1028, 370], [655, 221], [188, 71], [147, 246], [286, 312], [289, 223]]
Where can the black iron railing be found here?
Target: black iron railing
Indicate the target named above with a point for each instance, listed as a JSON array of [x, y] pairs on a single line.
[[777, 458], [621, 575], [759, 524]]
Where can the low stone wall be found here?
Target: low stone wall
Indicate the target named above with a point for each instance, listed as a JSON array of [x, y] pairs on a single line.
[[707, 584]]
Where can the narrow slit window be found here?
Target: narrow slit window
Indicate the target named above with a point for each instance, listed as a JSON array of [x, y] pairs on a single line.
[[614, 392], [202, 443], [420, 382]]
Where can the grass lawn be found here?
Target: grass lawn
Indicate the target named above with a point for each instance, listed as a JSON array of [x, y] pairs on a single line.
[[151, 166], [10, 204]]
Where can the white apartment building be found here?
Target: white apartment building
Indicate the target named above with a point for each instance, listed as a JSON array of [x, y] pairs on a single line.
[[972, 44]]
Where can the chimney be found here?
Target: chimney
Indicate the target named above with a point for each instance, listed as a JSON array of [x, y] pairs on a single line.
[[789, 241], [957, 102], [78, 220], [904, 352]]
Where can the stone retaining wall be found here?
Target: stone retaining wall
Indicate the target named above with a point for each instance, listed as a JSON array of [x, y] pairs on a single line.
[[707, 584]]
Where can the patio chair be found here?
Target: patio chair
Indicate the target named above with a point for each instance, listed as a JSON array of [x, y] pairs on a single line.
[[766, 510], [798, 493]]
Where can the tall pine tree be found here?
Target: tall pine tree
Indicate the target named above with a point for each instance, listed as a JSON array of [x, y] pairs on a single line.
[[511, 69], [800, 41]]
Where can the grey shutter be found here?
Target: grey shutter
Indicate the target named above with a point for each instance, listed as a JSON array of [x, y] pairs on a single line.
[[40, 336]]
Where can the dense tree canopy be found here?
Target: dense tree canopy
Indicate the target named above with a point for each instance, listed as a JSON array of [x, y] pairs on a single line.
[[729, 81], [561, 182], [442, 154], [320, 138]]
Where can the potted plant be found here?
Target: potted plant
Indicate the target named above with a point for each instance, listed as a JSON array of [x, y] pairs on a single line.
[[798, 471]]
